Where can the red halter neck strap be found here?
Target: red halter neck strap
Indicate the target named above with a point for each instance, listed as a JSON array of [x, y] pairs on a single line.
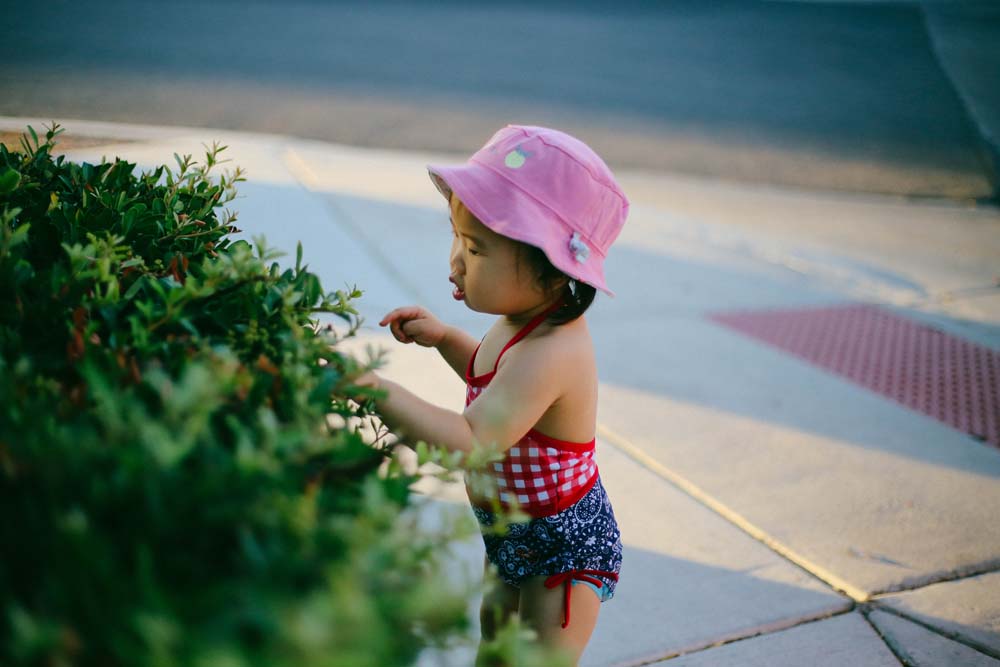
[[528, 328]]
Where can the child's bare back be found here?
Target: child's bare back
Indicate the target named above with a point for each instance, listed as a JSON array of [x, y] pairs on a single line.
[[569, 353]]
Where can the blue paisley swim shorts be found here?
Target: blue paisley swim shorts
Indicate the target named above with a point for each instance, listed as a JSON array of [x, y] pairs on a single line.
[[584, 536]]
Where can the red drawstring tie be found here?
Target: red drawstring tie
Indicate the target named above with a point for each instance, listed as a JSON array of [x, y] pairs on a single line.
[[580, 575]]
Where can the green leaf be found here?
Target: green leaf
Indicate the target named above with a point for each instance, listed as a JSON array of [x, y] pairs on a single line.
[[10, 214], [134, 289], [311, 290], [23, 272], [186, 323], [9, 180], [20, 235]]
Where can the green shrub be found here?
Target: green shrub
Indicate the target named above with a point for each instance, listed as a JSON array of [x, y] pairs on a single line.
[[178, 475]]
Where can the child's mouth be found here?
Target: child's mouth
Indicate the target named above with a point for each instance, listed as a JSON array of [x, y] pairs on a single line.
[[457, 294]]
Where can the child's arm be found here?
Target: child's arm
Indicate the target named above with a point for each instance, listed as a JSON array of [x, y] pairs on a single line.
[[526, 385], [413, 324], [414, 419], [457, 347]]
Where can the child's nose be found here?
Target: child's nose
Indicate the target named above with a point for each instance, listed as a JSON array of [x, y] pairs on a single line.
[[455, 259]]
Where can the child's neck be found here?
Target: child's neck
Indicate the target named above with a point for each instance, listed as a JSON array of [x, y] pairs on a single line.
[[519, 320]]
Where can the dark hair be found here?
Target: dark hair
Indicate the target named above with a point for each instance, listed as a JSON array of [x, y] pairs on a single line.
[[579, 295]]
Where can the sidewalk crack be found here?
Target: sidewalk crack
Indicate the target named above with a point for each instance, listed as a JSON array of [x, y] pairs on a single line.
[[941, 632], [305, 177], [831, 579]]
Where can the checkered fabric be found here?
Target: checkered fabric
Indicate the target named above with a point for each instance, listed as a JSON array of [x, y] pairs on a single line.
[[541, 475]]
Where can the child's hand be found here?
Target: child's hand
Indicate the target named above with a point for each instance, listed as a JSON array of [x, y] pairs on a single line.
[[413, 324], [367, 380]]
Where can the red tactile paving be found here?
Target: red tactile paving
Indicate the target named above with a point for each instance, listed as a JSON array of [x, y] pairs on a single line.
[[948, 378]]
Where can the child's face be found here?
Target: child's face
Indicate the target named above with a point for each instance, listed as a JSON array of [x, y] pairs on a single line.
[[484, 265]]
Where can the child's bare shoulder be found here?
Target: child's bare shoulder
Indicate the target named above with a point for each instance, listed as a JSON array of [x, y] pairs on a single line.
[[563, 348]]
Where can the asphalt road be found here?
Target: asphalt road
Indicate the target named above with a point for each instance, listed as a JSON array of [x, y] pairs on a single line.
[[835, 96]]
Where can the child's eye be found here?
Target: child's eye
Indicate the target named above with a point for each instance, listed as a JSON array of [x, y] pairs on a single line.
[[473, 252]]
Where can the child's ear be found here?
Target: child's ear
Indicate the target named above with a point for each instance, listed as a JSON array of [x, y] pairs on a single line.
[[561, 285]]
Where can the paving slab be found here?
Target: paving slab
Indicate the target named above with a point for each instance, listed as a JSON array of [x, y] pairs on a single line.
[[842, 640], [933, 257], [885, 498], [920, 647], [690, 579], [968, 609], [882, 497]]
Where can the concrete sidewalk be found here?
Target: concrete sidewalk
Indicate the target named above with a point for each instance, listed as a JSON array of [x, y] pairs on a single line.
[[776, 508]]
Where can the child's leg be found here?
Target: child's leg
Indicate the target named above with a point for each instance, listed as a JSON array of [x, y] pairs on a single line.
[[543, 609], [499, 604]]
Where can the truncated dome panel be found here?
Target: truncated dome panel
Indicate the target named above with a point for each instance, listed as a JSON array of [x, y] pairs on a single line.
[[948, 378]]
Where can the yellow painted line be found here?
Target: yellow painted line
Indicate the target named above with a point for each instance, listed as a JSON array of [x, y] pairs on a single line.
[[731, 515], [300, 169]]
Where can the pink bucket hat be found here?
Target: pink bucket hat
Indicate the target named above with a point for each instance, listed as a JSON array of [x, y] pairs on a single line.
[[547, 189]]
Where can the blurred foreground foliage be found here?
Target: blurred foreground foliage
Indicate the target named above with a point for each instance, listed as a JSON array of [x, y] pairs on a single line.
[[178, 478]]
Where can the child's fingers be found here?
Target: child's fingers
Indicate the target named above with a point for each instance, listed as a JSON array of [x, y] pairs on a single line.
[[415, 329], [397, 331], [409, 323], [388, 317], [406, 313]]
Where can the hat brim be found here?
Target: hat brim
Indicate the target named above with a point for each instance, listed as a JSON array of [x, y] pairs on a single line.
[[474, 183]]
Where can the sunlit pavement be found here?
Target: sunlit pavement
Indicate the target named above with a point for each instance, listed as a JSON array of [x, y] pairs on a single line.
[[777, 506]]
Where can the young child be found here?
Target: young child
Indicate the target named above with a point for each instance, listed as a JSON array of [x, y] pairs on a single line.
[[533, 214]]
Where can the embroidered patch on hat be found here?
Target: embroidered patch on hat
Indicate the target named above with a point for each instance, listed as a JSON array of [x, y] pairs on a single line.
[[516, 158], [579, 249]]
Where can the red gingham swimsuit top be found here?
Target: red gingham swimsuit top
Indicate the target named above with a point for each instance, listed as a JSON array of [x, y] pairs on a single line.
[[543, 474]]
